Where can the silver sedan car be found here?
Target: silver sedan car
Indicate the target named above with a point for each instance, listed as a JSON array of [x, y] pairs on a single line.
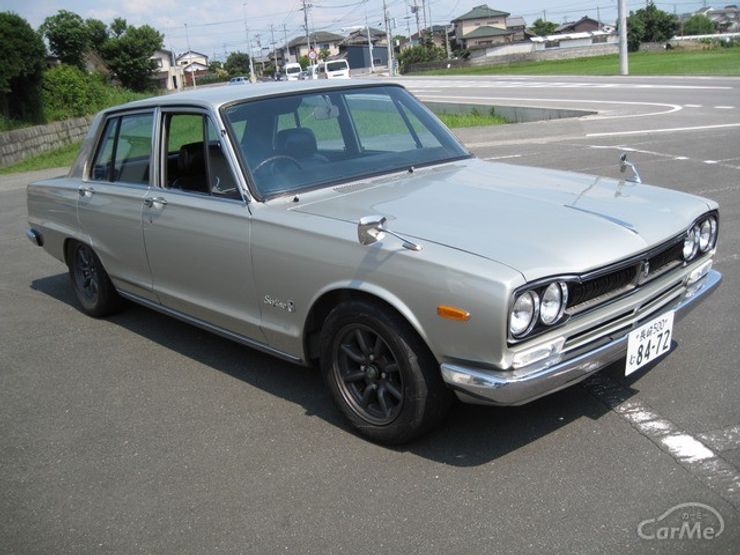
[[342, 225]]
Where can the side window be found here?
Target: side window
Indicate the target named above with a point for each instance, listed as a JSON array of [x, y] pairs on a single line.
[[134, 149], [125, 149], [103, 165], [195, 161]]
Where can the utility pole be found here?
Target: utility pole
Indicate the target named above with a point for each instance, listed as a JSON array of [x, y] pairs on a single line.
[[424, 13], [447, 42], [272, 46], [544, 15], [623, 60], [598, 18], [369, 45], [252, 79], [190, 56], [415, 10], [388, 39], [305, 24], [286, 57]]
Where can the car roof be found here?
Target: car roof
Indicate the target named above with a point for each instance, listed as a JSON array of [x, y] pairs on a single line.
[[216, 97]]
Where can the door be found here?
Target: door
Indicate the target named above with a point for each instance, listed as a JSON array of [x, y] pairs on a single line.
[[197, 228], [111, 199]]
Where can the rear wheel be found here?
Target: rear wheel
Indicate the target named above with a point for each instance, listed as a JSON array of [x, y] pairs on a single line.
[[91, 284], [381, 374]]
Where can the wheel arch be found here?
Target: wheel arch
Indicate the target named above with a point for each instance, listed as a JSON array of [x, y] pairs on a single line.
[[326, 300]]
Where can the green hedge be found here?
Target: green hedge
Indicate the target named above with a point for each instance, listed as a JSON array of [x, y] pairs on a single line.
[[68, 92]]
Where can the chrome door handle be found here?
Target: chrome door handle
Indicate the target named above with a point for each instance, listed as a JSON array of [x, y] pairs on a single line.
[[86, 191], [151, 201]]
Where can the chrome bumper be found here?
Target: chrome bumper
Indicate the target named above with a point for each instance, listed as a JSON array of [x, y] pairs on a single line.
[[516, 387], [35, 237]]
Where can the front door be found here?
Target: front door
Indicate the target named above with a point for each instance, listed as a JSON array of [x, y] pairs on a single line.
[[197, 228]]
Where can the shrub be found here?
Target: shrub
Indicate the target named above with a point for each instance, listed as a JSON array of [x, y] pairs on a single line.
[[20, 72]]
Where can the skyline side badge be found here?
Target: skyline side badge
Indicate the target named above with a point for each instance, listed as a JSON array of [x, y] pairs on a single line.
[[288, 305]]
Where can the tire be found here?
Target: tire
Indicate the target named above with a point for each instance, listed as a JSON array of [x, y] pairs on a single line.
[[92, 286], [380, 374]]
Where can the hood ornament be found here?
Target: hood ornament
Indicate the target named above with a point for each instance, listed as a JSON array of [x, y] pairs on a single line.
[[624, 164], [370, 229]]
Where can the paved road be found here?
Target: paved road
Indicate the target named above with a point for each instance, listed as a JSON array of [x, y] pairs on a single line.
[[140, 433]]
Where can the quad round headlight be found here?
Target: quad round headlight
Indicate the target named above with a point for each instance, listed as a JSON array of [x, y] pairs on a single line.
[[691, 243], [707, 234], [553, 302], [523, 313]]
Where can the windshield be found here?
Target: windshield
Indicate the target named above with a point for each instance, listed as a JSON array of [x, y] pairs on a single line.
[[336, 66], [294, 69], [307, 140]]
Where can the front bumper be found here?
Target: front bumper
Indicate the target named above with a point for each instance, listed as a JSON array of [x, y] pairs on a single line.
[[516, 387]]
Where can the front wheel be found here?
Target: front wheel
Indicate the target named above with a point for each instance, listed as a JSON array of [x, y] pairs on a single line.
[[91, 284], [380, 374]]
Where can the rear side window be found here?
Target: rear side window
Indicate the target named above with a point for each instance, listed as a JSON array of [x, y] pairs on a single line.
[[125, 150]]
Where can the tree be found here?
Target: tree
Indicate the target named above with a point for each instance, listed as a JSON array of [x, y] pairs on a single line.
[[304, 61], [128, 53], [419, 54], [237, 63], [97, 33], [698, 24], [649, 24], [22, 68], [68, 37], [324, 54], [540, 27]]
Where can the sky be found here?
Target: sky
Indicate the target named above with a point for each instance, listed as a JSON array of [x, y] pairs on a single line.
[[217, 27]]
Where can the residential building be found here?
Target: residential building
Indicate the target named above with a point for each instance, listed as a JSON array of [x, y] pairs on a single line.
[[583, 25], [167, 74], [482, 27], [355, 49], [518, 26], [437, 33], [726, 20], [192, 63], [320, 40]]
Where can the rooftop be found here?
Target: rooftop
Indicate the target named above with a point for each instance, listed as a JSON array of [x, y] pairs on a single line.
[[481, 12], [486, 31], [318, 36]]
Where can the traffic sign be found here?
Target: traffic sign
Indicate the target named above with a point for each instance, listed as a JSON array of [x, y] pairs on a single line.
[[312, 54]]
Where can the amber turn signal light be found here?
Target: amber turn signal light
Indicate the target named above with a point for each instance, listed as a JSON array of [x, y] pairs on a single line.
[[453, 313]]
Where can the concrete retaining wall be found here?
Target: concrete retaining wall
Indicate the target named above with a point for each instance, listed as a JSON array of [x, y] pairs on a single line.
[[537, 56], [19, 144], [512, 114]]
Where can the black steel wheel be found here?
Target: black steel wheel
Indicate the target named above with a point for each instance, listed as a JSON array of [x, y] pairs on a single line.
[[368, 374], [380, 373], [91, 284]]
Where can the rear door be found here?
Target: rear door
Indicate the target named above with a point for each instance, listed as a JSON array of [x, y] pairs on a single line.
[[197, 227], [111, 199]]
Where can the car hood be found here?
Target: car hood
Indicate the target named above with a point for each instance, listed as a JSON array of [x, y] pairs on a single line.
[[540, 222]]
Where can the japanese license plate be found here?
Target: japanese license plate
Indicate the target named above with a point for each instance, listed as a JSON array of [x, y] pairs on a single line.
[[648, 342]]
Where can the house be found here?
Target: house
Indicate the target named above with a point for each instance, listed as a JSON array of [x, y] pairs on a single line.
[[583, 25], [437, 33], [320, 40], [192, 63], [726, 20], [167, 75], [518, 26], [482, 27], [355, 49]]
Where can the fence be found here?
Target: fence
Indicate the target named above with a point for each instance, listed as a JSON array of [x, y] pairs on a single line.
[[19, 144]]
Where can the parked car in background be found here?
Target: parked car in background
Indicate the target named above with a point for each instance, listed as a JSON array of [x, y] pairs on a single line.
[[334, 69], [310, 73], [292, 71], [241, 80], [343, 225]]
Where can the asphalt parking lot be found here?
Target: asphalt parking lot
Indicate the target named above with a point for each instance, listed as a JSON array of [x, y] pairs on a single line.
[[139, 433]]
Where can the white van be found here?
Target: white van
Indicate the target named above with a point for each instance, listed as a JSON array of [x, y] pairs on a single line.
[[292, 71], [334, 69]]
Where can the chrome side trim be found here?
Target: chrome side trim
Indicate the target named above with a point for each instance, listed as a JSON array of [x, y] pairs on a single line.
[[211, 327], [35, 237], [520, 386]]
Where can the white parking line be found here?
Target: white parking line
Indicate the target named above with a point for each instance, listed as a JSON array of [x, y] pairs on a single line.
[[687, 450], [668, 130], [724, 107], [722, 440], [692, 106]]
